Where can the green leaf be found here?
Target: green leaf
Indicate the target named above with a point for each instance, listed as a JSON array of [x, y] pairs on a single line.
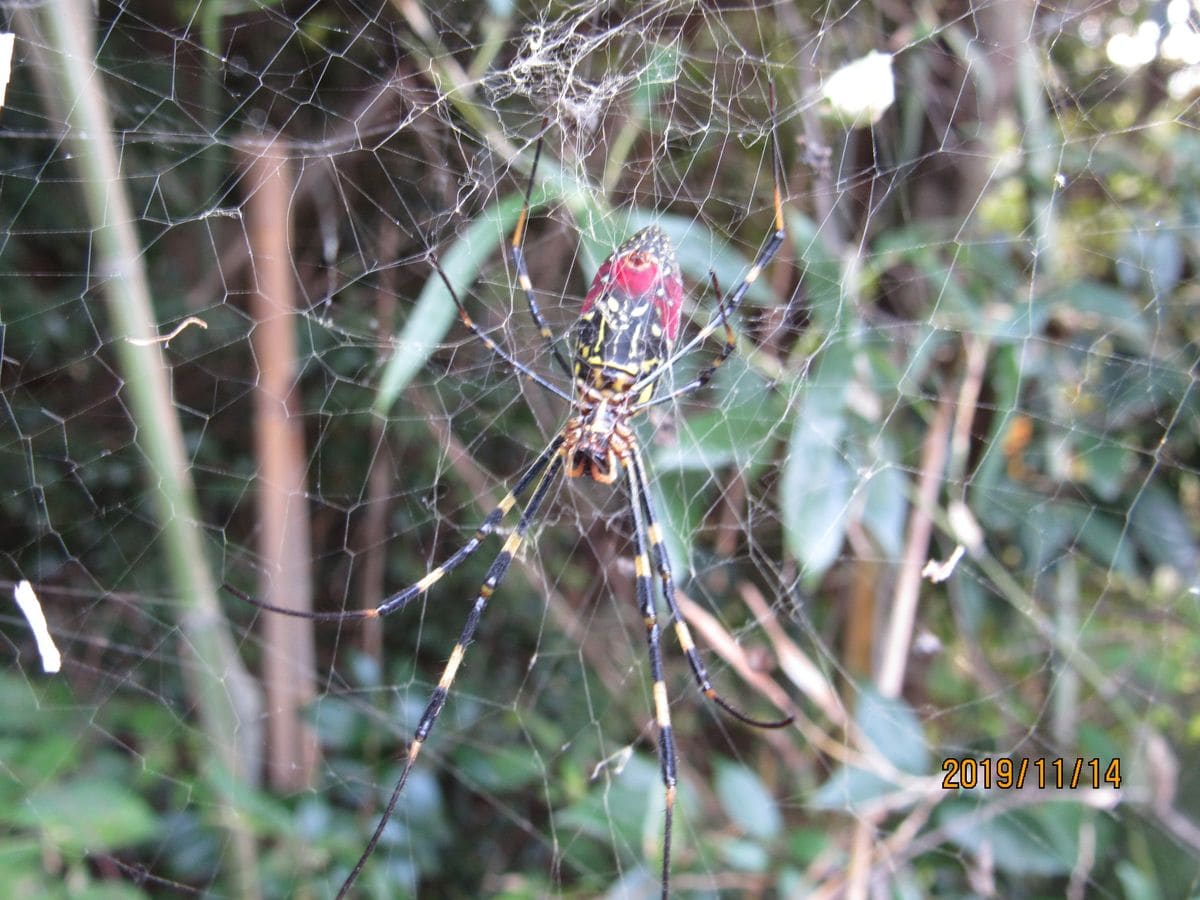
[[661, 70], [817, 482], [434, 312], [623, 813], [806, 844], [1135, 883], [815, 493], [746, 856], [894, 729], [737, 434], [848, 788], [88, 816], [1105, 540], [1153, 261], [1044, 529], [423, 827], [1095, 307], [1102, 464], [747, 801], [22, 868], [792, 883], [918, 246], [1004, 378], [822, 278], [338, 722], [1041, 841], [501, 769], [886, 508], [193, 848], [637, 882], [1162, 531], [617, 802], [974, 602], [265, 813], [680, 501], [895, 732]]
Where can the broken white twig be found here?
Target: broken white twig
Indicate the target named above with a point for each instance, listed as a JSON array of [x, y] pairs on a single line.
[[32, 608]]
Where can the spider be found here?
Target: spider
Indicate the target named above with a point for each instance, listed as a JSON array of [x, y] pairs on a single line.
[[621, 346]]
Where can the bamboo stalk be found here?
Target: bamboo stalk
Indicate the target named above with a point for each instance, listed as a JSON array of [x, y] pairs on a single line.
[[221, 689], [289, 653]]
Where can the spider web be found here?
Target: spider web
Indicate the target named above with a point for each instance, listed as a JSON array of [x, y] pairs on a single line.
[[942, 504]]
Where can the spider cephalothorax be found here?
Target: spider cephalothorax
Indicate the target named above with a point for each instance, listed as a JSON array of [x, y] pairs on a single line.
[[598, 440], [628, 322]]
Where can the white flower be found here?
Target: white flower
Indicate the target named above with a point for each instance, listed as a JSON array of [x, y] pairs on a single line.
[[861, 91]]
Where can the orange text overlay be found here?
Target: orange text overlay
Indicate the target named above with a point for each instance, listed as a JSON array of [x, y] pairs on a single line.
[[1043, 773]]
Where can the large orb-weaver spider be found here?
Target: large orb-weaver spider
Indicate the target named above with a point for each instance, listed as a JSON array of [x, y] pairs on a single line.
[[621, 347]]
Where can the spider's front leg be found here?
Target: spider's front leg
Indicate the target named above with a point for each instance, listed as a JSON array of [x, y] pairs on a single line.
[[437, 700]]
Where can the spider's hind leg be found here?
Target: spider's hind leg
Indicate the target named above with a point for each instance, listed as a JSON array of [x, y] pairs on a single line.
[[662, 708], [682, 633]]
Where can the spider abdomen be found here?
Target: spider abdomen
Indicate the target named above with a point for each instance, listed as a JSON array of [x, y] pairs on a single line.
[[630, 316]]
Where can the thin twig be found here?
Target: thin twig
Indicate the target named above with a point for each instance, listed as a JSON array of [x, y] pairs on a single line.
[[794, 662], [165, 339], [903, 618], [916, 551]]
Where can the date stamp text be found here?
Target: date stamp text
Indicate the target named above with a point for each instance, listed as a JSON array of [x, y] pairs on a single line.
[[1043, 773]]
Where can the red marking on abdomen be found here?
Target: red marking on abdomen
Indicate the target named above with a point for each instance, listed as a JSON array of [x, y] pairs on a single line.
[[668, 308], [635, 273], [597, 288]]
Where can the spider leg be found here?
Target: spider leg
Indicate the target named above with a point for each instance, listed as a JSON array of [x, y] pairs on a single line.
[[640, 485], [499, 351], [518, 258], [437, 699], [702, 378], [662, 709], [765, 255], [403, 597]]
